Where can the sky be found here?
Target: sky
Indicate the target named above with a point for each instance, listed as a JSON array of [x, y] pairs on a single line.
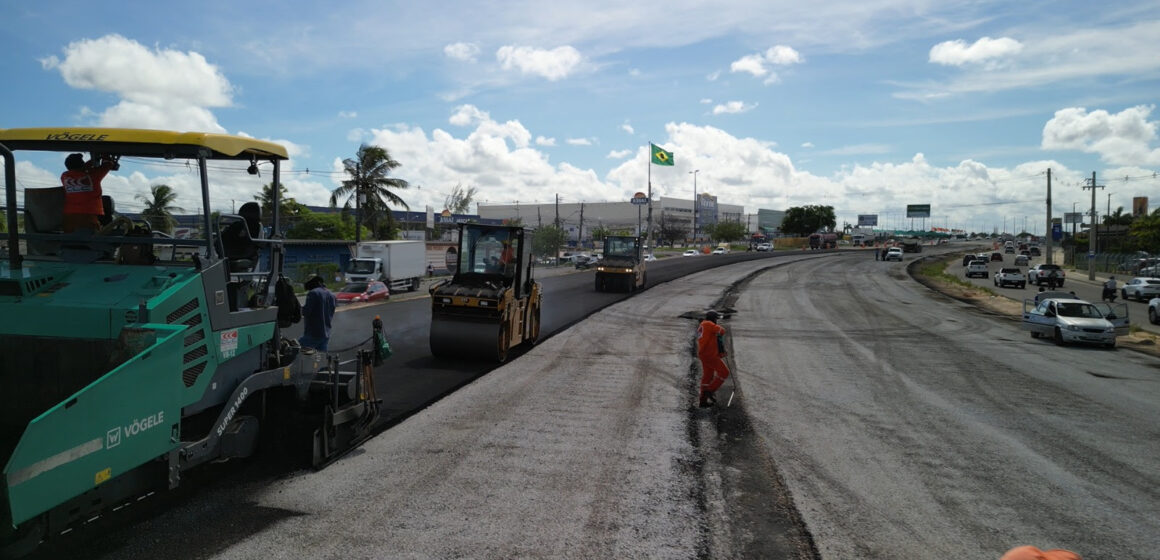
[[864, 105]]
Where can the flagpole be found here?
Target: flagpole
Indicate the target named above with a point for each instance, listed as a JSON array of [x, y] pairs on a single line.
[[648, 162]]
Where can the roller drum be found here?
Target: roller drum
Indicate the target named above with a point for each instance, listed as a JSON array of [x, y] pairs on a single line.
[[459, 338]]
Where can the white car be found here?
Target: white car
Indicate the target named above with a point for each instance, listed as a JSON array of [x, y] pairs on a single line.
[[894, 254], [1142, 289], [764, 247], [719, 251], [977, 268], [689, 253], [1075, 320], [649, 258], [1154, 311]]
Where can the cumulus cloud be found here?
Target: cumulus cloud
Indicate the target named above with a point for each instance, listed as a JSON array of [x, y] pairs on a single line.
[[1122, 138], [758, 64], [347, 114], [807, 144], [467, 52], [619, 154], [579, 141], [958, 52], [158, 88], [627, 128], [733, 107], [706, 101], [544, 141], [553, 65]]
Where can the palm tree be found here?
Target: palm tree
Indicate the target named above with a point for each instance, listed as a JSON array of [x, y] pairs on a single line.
[[159, 209], [368, 177]]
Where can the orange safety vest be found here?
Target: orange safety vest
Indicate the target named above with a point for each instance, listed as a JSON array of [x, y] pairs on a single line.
[[82, 191]]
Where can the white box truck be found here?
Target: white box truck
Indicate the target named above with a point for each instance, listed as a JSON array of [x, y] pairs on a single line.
[[400, 264]]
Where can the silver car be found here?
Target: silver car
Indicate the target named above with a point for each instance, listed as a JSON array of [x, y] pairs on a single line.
[[1074, 320], [1142, 289]]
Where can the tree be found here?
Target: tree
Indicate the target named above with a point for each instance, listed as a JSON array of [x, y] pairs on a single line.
[[287, 206], [547, 240], [312, 225], [804, 220], [159, 208], [600, 232], [729, 231], [460, 199], [1118, 218], [670, 230], [1144, 232], [368, 172]]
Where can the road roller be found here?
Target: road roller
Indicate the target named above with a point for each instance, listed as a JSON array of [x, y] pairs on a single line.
[[491, 304], [622, 267], [129, 358]]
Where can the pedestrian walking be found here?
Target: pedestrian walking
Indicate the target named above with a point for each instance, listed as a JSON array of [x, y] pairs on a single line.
[[317, 315], [711, 350]]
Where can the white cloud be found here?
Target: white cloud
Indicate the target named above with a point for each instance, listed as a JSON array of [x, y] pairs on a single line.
[[732, 107], [553, 65], [467, 52], [712, 76], [579, 141], [958, 53], [635, 72], [1057, 57], [627, 128], [807, 144], [347, 115], [1123, 138], [467, 115], [158, 88], [544, 141], [706, 101], [758, 64], [619, 154], [858, 149]]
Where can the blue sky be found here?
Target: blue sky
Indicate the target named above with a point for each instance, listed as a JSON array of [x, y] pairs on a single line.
[[864, 105]]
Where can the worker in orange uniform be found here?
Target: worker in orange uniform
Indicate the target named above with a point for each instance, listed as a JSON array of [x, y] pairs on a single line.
[[82, 191], [1032, 553], [711, 350], [507, 258]]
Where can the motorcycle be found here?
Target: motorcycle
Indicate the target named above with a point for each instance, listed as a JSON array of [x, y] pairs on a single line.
[[1109, 295]]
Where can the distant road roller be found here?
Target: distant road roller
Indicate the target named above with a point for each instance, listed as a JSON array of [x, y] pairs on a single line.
[[491, 304], [622, 267]]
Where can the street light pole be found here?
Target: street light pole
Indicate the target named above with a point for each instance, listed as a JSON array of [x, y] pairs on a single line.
[[694, 174]]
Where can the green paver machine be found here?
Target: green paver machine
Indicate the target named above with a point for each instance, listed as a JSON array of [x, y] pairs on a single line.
[[128, 357]]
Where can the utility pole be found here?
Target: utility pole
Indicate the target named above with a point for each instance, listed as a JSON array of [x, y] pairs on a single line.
[[580, 232], [1092, 230], [557, 210], [1050, 232]]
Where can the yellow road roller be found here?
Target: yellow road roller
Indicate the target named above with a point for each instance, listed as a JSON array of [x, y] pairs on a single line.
[[491, 304]]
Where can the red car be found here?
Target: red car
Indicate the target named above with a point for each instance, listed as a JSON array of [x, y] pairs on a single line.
[[363, 291]]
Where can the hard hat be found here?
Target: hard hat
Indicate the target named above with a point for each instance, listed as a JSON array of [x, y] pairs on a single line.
[[712, 316]]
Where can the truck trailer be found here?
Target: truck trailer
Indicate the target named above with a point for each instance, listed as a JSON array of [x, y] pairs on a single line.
[[399, 264]]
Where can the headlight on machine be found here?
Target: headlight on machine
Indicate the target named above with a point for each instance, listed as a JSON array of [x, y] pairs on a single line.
[[600, 269], [1110, 330]]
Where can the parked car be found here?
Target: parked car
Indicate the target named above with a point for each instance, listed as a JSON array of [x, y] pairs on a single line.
[[689, 253], [1142, 289], [894, 254], [356, 292], [977, 268], [1074, 320], [997, 256], [1040, 273], [1022, 260], [1010, 277]]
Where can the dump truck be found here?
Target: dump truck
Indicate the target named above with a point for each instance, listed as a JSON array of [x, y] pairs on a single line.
[[912, 245], [491, 303], [399, 264], [121, 371], [623, 265]]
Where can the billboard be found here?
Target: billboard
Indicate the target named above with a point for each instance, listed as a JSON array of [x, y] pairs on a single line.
[[917, 210], [1139, 206], [867, 220], [1073, 217]]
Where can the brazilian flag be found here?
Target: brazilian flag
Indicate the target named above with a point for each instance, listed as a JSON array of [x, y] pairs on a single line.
[[659, 156]]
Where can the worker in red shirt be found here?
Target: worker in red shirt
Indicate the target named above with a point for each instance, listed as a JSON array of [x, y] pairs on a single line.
[[711, 350], [82, 191]]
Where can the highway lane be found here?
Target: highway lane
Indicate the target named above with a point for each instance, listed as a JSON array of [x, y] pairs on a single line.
[[910, 425]]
